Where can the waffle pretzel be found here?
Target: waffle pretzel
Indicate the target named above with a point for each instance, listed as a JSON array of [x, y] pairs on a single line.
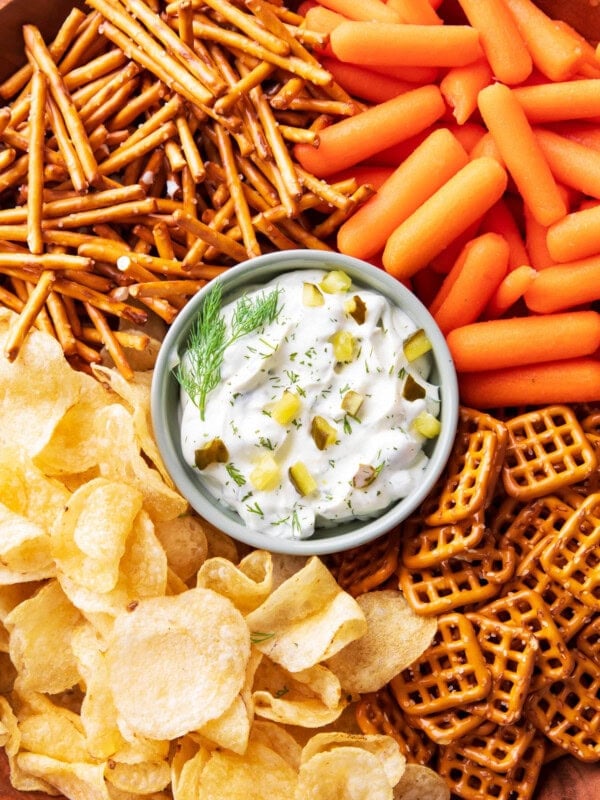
[[510, 654], [547, 449], [379, 713], [471, 781], [426, 546], [451, 672], [364, 568], [588, 640], [465, 485], [573, 557], [526, 611], [499, 748], [449, 726], [540, 518], [568, 613], [471, 420], [567, 711]]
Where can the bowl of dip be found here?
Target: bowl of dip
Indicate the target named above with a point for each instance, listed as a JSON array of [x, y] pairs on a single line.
[[304, 402]]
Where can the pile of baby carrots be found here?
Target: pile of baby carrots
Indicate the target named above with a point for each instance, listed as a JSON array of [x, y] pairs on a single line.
[[480, 131]]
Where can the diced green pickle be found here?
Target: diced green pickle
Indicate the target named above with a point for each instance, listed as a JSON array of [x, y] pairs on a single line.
[[336, 282], [344, 346], [212, 453], [416, 345], [302, 480], [365, 475], [427, 425], [412, 389], [266, 475], [311, 296], [351, 402], [323, 434], [356, 308], [286, 408]]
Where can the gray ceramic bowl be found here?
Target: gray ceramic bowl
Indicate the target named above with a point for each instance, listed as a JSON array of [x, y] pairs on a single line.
[[165, 403]]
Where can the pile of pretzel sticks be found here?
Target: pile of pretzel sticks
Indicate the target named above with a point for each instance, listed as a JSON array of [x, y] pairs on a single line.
[[146, 149]]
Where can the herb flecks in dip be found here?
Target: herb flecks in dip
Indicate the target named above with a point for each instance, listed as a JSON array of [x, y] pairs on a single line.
[[306, 402]]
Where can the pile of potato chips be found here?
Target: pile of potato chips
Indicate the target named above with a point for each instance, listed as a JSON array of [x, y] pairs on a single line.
[[141, 653]]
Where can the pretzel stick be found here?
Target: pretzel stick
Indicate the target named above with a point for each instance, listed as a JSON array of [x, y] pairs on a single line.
[[99, 67], [241, 87], [39, 52], [247, 24], [167, 289], [288, 92], [132, 340], [82, 46], [190, 149], [11, 300], [35, 172], [127, 153], [323, 189], [148, 98], [174, 155], [200, 247], [218, 240], [110, 341], [46, 261], [5, 116], [61, 323], [102, 301], [112, 83], [329, 225], [112, 104], [299, 135], [21, 325], [185, 18]]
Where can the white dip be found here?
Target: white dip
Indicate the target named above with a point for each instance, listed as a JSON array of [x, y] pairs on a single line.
[[378, 447]]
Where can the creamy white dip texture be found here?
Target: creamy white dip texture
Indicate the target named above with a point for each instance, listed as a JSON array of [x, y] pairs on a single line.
[[370, 458]]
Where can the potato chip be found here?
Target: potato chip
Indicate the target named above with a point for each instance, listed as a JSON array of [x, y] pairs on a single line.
[[277, 738], [184, 543], [56, 732], [187, 765], [141, 778], [286, 565], [90, 540], [219, 543], [396, 636], [247, 585], [306, 619], [185, 655], [260, 773], [73, 779], [26, 490], [40, 635], [421, 783], [11, 736], [345, 773], [25, 549], [38, 387]]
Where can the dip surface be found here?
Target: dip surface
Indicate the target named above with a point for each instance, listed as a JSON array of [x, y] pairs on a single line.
[[313, 418]]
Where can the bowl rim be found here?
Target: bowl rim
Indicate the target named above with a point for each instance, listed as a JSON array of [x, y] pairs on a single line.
[[249, 274]]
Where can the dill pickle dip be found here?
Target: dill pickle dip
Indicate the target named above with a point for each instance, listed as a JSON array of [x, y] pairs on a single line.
[[306, 403]]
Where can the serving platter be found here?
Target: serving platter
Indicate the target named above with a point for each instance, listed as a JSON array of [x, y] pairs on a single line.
[[566, 778]]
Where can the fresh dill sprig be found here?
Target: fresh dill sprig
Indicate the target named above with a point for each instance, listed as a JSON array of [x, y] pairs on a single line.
[[200, 370]]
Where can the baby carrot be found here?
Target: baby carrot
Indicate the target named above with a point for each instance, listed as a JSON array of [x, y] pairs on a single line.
[[502, 43], [574, 380], [461, 85], [536, 243], [411, 183], [571, 163], [555, 52], [576, 236], [418, 45], [355, 138], [521, 153], [471, 282], [565, 286], [365, 83], [419, 12], [554, 102], [511, 289], [511, 342], [586, 133], [363, 10], [462, 200], [500, 219], [322, 20]]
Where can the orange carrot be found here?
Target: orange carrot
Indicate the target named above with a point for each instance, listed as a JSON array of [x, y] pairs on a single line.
[[432, 163], [486, 145], [355, 138], [585, 133], [413, 74], [502, 43], [511, 289], [418, 45], [500, 219], [419, 12], [501, 343], [571, 163], [574, 380], [365, 83], [468, 134], [443, 262], [395, 155], [463, 199], [554, 102], [555, 52], [521, 153], [576, 236], [322, 20], [471, 283], [461, 85], [363, 10], [565, 286]]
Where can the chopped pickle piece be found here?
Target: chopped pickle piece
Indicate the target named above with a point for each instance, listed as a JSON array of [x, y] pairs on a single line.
[[286, 408], [356, 308], [351, 402], [311, 296], [336, 282], [412, 389], [365, 475], [266, 475], [323, 434], [417, 345], [344, 345], [213, 452], [302, 480], [427, 425]]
